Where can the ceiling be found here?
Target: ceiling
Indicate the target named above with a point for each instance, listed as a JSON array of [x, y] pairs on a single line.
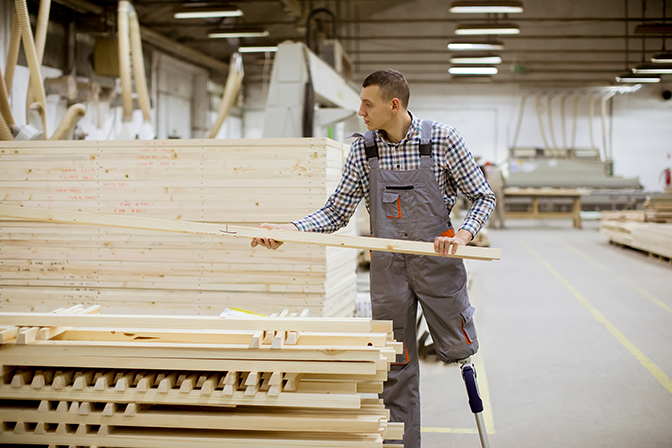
[[578, 42]]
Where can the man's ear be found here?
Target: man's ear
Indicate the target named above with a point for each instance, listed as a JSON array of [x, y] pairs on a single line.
[[396, 104]]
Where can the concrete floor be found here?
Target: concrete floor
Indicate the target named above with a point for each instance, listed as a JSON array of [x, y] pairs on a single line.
[[576, 346]]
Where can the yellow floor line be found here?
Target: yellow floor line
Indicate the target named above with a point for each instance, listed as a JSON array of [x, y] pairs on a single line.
[[658, 374], [644, 293]]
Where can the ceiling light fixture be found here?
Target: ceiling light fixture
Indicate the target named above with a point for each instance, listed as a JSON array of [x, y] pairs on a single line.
[[653, 69], [486, 28], [224, 34], [257, 49], [473, 70], [475, 46], [639, 79], [206, 12], [490, 60], [486, 7], [662, 58]]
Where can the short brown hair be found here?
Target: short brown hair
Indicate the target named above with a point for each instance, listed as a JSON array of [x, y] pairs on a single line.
[[391, 83]]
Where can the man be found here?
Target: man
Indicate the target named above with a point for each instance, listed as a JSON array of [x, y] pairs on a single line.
[[407, 170]]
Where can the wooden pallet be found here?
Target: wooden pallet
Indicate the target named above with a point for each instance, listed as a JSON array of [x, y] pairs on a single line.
[[239, 182], [655, 239], [74, 378]]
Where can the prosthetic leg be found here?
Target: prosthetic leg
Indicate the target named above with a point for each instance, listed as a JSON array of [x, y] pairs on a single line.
[[475, 402]]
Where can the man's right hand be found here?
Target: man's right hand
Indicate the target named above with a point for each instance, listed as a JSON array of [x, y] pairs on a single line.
[[269, 243]]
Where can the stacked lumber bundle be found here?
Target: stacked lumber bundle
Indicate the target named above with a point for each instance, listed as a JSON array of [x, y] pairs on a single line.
[[659, 209], [623, 215], [80, 379], [249, 181], [653, 238]]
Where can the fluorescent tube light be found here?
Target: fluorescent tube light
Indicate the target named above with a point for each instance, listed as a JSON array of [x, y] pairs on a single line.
[[476, 60], [471, 46], [486, 7], [481, 29], [205, 12], [653, 69], [662, 58], [639, 79], [473, 70], [257, 49], [224, 34]]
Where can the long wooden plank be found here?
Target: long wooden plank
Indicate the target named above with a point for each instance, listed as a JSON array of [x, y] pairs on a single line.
[[175, 397], [186, 351], [243, 421], [119, 321], [377, 244]]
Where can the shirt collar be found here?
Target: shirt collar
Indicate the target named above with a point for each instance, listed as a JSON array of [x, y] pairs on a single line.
[[416, 127]]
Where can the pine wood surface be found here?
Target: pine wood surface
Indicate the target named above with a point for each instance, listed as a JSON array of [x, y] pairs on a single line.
[[650, 237], [234, 181], [196, 380]]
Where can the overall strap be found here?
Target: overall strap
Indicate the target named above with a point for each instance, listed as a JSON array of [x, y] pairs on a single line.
[[426, 138], [370, 145]]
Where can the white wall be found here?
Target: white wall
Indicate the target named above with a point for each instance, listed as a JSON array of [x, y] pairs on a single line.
[[486, 117]]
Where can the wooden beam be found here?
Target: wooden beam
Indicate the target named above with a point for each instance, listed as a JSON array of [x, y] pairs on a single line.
[[223, 230], [174, 397], [161, 322]]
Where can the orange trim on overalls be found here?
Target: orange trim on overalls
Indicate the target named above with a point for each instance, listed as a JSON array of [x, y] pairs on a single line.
[[449, 233], [407, 357], [398, 209], [469, 341]]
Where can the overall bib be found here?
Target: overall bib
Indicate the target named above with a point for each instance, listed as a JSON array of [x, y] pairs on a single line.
[[408, 205]]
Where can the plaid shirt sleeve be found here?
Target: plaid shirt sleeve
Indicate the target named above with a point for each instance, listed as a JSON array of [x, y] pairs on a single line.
[[342, 204], [469, 179]]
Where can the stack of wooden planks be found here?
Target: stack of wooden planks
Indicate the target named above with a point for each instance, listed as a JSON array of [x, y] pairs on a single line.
[[623, 215], [656, 239], [248, 181], [72, 377], [659, 209]]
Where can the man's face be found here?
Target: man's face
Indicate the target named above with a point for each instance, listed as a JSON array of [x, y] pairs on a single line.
[[374, 109]]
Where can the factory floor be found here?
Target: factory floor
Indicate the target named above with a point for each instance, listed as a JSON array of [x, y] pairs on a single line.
[[576, 346]]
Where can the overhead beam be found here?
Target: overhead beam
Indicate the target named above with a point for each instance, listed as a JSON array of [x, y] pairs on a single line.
[[187, 53]]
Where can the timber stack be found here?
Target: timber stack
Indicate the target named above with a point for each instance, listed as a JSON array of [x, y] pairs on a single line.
[[659, 209], [78, 378], [656, 239], [239, 182]]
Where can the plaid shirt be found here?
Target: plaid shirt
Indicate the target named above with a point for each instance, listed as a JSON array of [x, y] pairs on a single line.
[[454, 167]]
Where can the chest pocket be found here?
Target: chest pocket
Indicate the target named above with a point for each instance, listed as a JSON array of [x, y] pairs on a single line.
[[397, 200], [391, 205]]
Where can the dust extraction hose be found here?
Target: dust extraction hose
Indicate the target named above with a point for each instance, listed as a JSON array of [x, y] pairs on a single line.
[[5, 133], [31, 57], [72, 116], [233, 83], [40, 41], [139, 64], [13, 53], [5, 108], [125, 61]]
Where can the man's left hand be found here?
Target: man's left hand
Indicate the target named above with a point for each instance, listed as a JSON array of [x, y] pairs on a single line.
[[444, 245]]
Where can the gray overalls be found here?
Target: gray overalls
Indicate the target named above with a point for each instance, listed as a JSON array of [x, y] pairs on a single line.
[[408, 205]]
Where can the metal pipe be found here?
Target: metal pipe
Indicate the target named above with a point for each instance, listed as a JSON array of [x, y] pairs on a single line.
[[551, 130], [541, 122]]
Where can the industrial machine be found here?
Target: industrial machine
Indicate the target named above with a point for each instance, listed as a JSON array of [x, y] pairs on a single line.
[[308, 98]]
